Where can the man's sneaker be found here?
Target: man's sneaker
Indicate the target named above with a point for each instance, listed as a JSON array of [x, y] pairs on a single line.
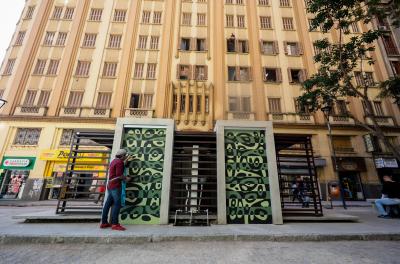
[[118, 227], [384, 216], [102, 226]]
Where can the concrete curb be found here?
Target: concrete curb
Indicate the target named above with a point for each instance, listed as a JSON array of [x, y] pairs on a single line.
[[31, 239]]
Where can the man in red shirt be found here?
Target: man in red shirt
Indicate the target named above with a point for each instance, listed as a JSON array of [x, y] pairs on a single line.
[[116, 175]]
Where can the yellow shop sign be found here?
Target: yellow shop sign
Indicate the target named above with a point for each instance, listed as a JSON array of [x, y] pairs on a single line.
[[62, 155]]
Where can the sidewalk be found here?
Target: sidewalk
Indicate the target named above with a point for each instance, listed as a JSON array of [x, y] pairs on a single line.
[[369, 228]]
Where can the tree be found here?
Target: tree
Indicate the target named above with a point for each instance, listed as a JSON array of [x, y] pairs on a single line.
[[338, 62]]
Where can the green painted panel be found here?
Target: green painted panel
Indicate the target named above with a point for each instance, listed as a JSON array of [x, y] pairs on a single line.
[[246, 171], [143, 193]]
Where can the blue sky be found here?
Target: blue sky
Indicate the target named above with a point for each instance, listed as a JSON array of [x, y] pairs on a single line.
[[10, 11]]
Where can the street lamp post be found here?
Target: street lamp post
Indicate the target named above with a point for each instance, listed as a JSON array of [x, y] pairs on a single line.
[[2, 102], [327, 110]]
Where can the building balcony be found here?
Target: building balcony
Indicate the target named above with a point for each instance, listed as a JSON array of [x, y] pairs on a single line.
[[139, 113], [382, 120], [291, 118], [341, 120], [30, 111], [241, 116], [71, 111], [100, 112]]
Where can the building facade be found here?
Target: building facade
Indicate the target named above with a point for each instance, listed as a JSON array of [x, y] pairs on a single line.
[[83, 64]]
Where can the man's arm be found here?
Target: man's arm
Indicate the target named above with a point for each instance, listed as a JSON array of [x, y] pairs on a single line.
[[119, 170]]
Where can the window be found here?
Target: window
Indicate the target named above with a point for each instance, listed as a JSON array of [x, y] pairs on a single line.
[[300, 108], [75, 99], [355, 28], [265, 22], [231, 44], [40, 65], [293, 48], [342, 143], [134, 102], [44, 98], [184, 72], [239, 104], [110, 69], [341, 108], [53, 67], [146, 101], [201, 19], [263, 2], [274, 105], [297, 76], [272, 75], [395, 67], [390, 45], [151, 70], [287, 23], [201, 73], [30, 98], [142, 42], [378, 108], [185, 44], [154, 40], [66, 137], [186, 19], [9, 67], [138, 74], [115, 41], [365, 78], [229, 21], [103, 101], [29, 12], [27, 136], [200, 45], [20, 38], [243, 46], [241, 21], [228, 1], [146, 17], [95, 14], [119, 15], [157, 17], [232, 74], [239, 73], [48, 39], [83, 68], [69, 13], [269, 47], [62, 36], [285, 3], [89, 40], [57, 12]]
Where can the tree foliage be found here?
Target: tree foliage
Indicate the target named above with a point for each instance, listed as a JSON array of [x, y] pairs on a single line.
[[337, 62]]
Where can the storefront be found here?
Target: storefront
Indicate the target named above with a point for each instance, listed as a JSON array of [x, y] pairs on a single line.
[[15, 173], [387, 166], [57, 165], [349, 170]]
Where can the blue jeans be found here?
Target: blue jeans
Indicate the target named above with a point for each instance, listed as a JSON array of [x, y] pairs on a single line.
[[385, 201], [114, 200]]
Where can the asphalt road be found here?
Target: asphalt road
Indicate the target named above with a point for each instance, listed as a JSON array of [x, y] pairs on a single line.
[[207, 252]]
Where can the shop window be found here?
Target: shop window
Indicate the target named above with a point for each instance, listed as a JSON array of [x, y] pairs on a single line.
[[27, 136]]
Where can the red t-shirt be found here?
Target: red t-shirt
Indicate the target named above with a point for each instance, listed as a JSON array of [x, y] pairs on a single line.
[[116, 170]]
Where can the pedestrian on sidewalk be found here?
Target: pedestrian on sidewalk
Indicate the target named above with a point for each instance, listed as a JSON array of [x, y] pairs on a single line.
[[390, 196], [115, 177]]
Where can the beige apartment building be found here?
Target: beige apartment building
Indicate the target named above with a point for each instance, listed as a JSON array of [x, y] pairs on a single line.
[[84, 63]]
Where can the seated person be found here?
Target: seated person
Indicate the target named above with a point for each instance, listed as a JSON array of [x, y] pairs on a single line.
[[390, 196]]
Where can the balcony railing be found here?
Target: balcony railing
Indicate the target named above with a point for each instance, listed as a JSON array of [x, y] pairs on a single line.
[[382, 120], [291, 118], [341, 120], [139, 113], [30, 111], [241, 115], [100, 112]]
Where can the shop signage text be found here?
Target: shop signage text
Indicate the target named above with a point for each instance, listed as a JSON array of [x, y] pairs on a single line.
[[18, 163], [386, 163]]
